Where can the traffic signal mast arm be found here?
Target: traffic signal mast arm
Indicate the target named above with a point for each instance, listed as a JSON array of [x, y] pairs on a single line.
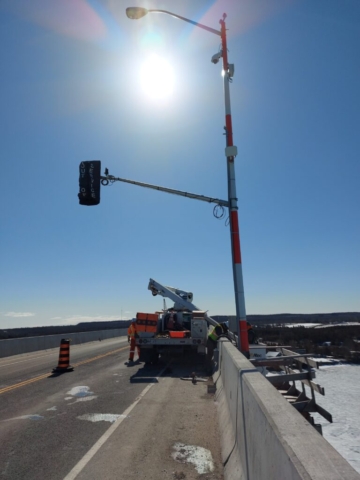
[[105, 180]]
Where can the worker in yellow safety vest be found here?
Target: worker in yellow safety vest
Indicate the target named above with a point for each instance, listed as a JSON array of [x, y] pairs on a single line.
[[211, 344], [131, 339]]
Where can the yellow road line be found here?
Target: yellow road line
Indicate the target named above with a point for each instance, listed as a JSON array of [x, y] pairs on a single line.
[[100, 356], [47, 375], [22, 384]]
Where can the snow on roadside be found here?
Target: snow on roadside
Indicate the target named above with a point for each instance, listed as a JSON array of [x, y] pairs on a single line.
[[342, 393]]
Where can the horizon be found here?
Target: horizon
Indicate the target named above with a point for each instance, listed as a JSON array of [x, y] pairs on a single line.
[[216, 315]]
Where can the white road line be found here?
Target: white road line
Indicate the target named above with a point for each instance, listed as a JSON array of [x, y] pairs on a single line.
[[89, 455]]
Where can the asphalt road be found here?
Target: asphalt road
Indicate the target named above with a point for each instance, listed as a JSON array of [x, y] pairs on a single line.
[[89, 422]]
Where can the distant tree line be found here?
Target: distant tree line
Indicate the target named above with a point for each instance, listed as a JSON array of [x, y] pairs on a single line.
[[58, 329], [304, 318], [338, 341]]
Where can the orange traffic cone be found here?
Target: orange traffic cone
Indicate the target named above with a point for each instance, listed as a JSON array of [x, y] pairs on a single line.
[[64, 358]]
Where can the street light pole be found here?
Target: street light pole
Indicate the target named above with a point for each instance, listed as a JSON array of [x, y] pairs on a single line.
[[230, 153]]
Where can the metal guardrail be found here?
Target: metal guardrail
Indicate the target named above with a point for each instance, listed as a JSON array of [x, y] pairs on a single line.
[[290, 368]]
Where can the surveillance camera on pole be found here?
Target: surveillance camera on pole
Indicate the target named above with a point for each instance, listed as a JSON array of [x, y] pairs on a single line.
[[215, 58]]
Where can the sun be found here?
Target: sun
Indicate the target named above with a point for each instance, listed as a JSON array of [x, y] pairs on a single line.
[[157, 78]]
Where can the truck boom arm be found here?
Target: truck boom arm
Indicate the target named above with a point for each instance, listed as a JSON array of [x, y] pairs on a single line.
[[180, 298]]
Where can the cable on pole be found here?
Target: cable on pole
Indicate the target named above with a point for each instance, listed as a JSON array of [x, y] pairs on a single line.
[[218, 211]]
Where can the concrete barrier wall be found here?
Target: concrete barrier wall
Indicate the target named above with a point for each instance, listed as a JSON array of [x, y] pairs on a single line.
[[263, 436], [15, 346]]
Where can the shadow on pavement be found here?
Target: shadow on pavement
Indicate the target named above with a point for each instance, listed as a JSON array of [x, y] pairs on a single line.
[[57, 374], [185, 369]]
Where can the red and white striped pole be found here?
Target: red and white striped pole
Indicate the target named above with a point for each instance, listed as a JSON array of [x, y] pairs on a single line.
[[231, 152]]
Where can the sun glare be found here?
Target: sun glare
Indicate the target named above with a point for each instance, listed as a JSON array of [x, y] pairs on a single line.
[[157, 78]]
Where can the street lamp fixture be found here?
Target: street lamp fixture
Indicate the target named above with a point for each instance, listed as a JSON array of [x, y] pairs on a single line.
[[135, 13]]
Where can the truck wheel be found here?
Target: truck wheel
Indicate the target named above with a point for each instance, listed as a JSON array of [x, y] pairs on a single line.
[[155, 358], [146, 355]]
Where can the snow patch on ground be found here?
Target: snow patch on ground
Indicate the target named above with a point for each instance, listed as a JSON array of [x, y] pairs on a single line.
[[200, 457], [81, 391], [27, 417], [306, 325], [85, 399], [342, 324], [100, 417], [342, 393]]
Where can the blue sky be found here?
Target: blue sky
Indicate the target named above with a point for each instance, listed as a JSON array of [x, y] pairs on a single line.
[[70, 91]]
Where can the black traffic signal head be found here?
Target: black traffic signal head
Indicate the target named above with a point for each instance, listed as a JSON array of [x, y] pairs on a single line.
[[89, 182]]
